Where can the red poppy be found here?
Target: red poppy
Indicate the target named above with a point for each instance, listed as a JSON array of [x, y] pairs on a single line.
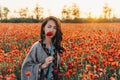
[[67, 74], [110, 59], [12, 75], [62, 62], [111, 69], [95, 76], [88, 66], [70, 65], [55, 71], [116, 64], [28, 73], [3, 71], [112, 78], [60, 75], [100, 70], [49, 34], [73, 73], [1, 76], [9, 78], [70, 71]]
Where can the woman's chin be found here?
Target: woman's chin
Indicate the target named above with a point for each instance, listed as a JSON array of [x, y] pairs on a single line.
[[50, 37]]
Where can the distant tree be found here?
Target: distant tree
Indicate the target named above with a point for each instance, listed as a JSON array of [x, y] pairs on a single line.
[[38, 11], [105, 8], [75, 11], [89, 15], [23, 12], [72, 12], [107, 11], [49, 12], [0, 13], [66, 12], [89, 18], [30, 16], [5, 12], [114, 18]]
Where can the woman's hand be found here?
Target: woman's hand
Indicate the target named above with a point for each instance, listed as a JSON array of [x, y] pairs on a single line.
[[48, 60]]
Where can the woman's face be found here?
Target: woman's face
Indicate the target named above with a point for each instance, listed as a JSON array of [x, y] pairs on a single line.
[[50, 29]]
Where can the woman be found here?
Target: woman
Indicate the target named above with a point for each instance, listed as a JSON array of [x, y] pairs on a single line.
[[43, 58]]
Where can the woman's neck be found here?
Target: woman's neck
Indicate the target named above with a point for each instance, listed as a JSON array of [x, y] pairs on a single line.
[[48, 42]]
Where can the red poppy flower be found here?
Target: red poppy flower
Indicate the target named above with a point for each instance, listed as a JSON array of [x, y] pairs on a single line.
[[95, 76], [9, 78], [49, 34], [1, 76], [12, 75], [60, 75], [112, 78], [115, 63], [3, 71], [88, 66], [67, 74], [28, 73], [55, 71]]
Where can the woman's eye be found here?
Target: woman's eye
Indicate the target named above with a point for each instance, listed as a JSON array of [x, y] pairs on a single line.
[[49, 26]]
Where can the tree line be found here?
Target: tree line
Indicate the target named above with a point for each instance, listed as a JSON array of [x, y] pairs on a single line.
[[69, 14]]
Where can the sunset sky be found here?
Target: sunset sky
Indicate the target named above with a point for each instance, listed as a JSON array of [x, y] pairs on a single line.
[[54, 7]]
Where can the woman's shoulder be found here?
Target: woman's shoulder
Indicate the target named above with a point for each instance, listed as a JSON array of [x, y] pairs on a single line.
[[36, 44]]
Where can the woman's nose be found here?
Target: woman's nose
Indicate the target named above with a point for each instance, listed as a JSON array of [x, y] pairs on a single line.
[[51, 29]]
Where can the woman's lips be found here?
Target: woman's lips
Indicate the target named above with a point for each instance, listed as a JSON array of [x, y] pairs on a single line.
[[49, 34]]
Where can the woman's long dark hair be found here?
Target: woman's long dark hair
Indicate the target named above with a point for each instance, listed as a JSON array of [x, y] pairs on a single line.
[[56, 40]]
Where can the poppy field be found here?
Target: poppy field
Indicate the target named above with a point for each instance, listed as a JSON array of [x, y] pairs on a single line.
[[92, 50]]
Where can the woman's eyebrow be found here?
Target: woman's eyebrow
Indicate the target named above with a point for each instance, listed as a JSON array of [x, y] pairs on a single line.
[[51, 25]]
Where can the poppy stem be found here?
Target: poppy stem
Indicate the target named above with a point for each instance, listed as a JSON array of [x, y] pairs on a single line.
[[28, 78]]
